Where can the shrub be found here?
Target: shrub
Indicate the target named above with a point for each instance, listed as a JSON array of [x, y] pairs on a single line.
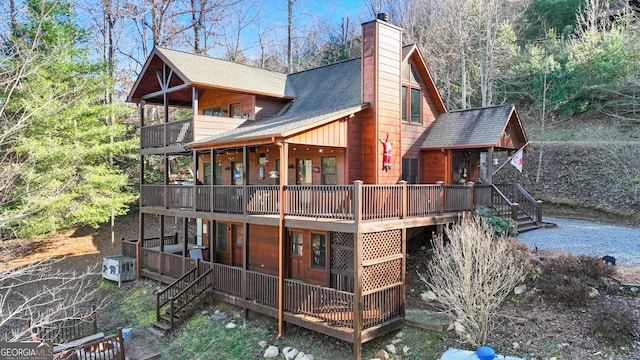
[[614, 322], [569, 278], [501, 225], [472, 274]]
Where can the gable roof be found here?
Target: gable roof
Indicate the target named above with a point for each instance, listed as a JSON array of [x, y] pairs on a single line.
[[205, 71], [322, 95], [412, 50], [482, 127]]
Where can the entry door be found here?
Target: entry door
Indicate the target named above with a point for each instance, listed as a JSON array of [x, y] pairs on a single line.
[[236, 173], [304, 173], [296, 264], [238, 242]]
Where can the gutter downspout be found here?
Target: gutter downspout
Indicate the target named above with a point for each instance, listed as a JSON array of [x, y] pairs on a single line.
[[281, 249]]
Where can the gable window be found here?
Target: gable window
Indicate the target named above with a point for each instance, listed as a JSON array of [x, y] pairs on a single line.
[[410, 170], [411, 96], [318, 251]]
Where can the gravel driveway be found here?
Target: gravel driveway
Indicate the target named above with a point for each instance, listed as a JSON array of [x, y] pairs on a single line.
[[589, 238]]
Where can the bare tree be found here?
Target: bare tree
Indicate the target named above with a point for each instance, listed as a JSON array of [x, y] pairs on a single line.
[[472, 274], [41, 295]]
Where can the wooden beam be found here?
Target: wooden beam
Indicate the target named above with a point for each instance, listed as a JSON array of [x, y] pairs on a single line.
[[357, 295], [165, 91]]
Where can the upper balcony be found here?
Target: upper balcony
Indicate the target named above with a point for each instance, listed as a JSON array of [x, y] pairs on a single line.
[[175, 134], [350, 204]]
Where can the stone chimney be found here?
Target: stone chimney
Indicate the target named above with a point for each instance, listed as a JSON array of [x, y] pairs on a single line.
[[381, 85]]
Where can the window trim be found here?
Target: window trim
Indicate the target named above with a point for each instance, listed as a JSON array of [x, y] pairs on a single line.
[[293, 243]]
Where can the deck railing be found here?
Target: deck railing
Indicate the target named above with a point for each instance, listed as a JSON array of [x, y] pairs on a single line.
[[167, 264], [227, 279], [341, 202], [319, 201], [128, 248], [177, 133], [334, 306], [262, 288], [381, 305]]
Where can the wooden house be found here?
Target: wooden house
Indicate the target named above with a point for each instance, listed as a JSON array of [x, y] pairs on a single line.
[[299, 189]]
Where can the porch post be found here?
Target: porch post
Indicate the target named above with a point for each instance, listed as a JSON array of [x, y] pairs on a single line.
[[245, 178], [140, 200], [357, 201], [404, 199], [161, 243], [284, 154], [185, 236], [245, 265], [194, 192], [490, 166], [441, 198], [357, 295]]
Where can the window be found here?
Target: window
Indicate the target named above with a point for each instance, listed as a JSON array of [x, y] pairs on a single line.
[[410, 170], [235, 111], [296, 243], [305, 172], [238, 235], [206, 172], [411, 96], [318, 251], [214, 111], [221, 244], [329, 170]]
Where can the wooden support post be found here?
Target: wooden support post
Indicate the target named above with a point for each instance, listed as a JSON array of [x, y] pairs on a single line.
[[514, 211], [404, 199], [245, 266], [161, 243], [194, 193], [139, 244], [357, 295], [441, 198], [472, 194], [404, 272], [284, 153], [539, 212], [490, 166], [121, 342], [357, 201], [245, 178], [185, 236]]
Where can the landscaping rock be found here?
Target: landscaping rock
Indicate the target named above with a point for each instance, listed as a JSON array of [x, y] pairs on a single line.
[[519, 290], [231, 326], [395, 341], [290, 354], [271, 352], [428, 296], [593, 292], [391, 348], [405, 350], [303, 356], [262, 344], [382, 355]]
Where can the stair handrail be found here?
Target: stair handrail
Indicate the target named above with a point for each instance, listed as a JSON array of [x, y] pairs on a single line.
[[512, 207], [201, 284], [535, 204], [164, 296]]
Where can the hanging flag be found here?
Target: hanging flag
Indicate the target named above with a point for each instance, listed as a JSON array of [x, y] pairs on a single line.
[[516, 160]]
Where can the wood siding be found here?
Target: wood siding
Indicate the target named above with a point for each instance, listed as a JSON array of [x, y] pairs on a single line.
[[206, 126], [263, 249], [381, 60], [355, 149], [267, 108], [332, 134], [435, 166], [211, 98]]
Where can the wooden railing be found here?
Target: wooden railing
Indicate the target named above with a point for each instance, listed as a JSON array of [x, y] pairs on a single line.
[[517, 199], [381, 305], [376, 202], [128, 248], [155, 241], [457, 198], [164, 296], [380, 202], [227, 279], [333, 306], [162, 263], [263, 199], [177, 133], [319, 201], [189, 294], [262, 288], [63, 331]]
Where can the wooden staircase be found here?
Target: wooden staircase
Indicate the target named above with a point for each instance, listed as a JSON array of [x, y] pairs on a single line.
[[180, 299], [514, 202]]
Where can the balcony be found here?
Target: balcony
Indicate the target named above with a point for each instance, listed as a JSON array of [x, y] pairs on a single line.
[[181, 132], [356, 203]]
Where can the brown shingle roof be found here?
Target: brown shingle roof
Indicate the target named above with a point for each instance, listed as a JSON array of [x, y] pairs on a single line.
[[204, 70], [468, 128]]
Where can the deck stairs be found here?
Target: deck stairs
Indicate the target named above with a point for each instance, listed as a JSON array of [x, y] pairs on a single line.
[[178, 301], [514, 202]]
